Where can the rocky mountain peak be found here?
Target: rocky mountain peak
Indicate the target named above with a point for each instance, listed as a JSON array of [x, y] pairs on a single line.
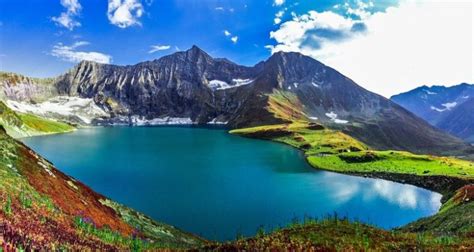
[[84, 63], [196, 54]]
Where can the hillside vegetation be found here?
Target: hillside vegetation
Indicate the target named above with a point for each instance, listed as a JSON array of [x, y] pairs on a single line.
[[40, 207], [336, 151], [23, 125], [451, 228], [335, 234]]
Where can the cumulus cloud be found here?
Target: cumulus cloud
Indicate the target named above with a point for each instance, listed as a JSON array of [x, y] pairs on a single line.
[[71, 54], [156, 48], [227, 33], [404, 46], [234, 39], [125, 13], [278, 2], [67, 18], [314, 29]]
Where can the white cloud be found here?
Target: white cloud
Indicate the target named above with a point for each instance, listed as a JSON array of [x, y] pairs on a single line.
[[71, 54], [66, 19], [234, 39], [412, 44], [223, 9], [125, 13], [278, 17], [360, 10], [278, 2], [156, 48]]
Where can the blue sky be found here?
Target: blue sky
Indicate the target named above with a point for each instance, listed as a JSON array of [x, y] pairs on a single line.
[[45, 38], [29, 33]]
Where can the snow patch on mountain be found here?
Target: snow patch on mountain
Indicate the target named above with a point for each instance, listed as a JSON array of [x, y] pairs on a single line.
[[241, 82], [447, 106], [215, 121], [80, 110], [221, 85], [142, 121], [333, 117], [437, 109], [429, 92], [218, 84]]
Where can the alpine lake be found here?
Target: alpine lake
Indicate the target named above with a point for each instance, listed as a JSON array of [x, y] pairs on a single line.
[[217, 185]]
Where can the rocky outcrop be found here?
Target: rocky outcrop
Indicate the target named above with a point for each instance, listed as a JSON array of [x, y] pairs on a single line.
[[187, 84], [21, 88]]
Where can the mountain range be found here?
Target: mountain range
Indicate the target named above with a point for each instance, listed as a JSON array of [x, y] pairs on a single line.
[[448, 108], [193, 87]]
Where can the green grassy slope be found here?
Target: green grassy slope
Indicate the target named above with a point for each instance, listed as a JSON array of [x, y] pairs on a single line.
[[335, 151], [452, 228], [23, 125], [456, 216]]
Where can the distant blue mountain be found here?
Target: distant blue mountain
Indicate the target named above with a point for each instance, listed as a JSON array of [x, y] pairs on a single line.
[[448, 108]]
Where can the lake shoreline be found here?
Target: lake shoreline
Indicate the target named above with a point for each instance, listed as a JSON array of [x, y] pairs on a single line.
[[273, 162], [447, 186]]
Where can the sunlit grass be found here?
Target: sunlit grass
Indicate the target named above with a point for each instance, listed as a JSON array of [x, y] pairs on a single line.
[[335, 151]]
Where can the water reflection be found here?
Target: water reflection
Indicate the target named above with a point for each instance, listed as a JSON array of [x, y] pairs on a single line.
[[405, 196]]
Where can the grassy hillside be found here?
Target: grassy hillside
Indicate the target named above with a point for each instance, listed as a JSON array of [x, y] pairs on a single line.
[[40, 207], [456, 216], [23, 125], [335, 151], [334, 234], [452, 228]]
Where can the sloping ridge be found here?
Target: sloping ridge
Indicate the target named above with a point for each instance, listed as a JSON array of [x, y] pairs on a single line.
[[460, 121], [42, 206], [447, 108], [184, 85], [321, 90], [433, 103]]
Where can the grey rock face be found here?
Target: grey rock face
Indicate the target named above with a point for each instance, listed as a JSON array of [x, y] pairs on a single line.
[[177, 85], [21, 88], [194, 85]]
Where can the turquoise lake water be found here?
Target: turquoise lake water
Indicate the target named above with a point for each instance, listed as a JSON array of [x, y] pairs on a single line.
[[217, 185]]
